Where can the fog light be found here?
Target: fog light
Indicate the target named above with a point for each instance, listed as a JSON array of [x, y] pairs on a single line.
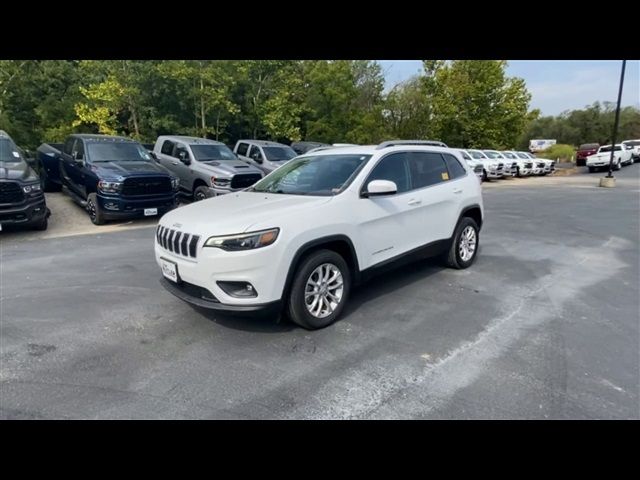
[[238, 289], [111, 206]]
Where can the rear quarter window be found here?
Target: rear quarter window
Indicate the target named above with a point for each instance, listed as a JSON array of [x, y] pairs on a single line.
[[456, 170], [167, 147], [242, 149]]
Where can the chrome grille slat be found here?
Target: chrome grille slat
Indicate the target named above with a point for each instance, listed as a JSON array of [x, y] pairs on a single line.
[[178, 242]]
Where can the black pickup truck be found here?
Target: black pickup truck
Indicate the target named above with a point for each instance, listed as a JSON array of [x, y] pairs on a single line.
[[112, 177], [21, 198]]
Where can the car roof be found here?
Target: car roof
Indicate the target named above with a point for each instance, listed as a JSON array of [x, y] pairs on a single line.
[[191, 140], [263, 143], [103, 138], [373, 149]]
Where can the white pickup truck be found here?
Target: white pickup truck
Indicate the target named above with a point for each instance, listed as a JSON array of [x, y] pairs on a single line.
[[601, 159]]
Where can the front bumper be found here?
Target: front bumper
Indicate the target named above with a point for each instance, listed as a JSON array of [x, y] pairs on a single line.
[[115, 206], [495, 173], [259, 267], [193, 294], [26, 213]]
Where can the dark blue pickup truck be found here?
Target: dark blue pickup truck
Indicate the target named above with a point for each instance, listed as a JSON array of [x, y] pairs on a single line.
[[112, 177]]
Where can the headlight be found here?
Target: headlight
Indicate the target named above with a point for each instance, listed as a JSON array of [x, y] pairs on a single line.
[[244, 241], [175, 183], [220, 182], [109, 187], [33, 188]]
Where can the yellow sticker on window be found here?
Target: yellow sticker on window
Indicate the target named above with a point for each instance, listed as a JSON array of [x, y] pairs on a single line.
[[445, 176]]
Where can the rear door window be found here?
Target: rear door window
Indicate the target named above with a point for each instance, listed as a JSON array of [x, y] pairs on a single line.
[[242, 149], [453, 165], [167, 147]]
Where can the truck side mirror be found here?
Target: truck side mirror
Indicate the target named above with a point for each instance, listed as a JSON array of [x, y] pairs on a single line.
[[78, 157], [184, 157]]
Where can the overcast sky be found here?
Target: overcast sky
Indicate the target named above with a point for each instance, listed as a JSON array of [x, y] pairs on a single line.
[[555, 85]]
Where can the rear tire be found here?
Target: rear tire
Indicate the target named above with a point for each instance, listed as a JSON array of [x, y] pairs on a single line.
[[308, 279], [465, 244], [95, 212]]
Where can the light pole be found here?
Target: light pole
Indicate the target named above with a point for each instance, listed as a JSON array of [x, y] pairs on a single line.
[[615, 124]]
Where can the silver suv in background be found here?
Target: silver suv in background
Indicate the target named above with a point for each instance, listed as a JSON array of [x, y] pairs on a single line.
[[267, 156], [206, 168]]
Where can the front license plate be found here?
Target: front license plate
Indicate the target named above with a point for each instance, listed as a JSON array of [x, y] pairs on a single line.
[[169, 270], [149, 212]]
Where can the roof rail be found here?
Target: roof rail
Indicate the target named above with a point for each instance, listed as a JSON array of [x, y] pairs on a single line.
[[393, 143]]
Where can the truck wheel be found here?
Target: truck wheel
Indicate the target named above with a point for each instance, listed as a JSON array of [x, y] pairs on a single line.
[[42, 224], [320, 290], [484, 175], [617, 166], [201, 193], [464, 247], [95, 212]]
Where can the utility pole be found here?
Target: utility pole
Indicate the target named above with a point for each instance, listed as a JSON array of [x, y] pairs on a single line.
[[615, 124]]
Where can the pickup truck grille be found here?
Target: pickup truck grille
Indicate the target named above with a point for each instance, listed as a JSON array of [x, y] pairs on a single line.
[[177, 242], [11, 192], [540, 164], [146, 186], [244, 181], [528, 165]]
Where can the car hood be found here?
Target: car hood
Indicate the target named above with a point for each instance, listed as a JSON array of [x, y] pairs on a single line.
[[230, 167], [238, 212], [125, 168], [17, 171]]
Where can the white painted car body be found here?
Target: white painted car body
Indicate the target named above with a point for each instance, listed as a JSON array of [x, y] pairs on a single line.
[[379, 228]]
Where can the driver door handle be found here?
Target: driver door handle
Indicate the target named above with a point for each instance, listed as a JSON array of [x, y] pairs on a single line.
[[415, 201], [174, 163], [457, 190]]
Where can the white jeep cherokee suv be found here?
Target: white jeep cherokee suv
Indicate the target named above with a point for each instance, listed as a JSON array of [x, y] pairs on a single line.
[[300, 238]]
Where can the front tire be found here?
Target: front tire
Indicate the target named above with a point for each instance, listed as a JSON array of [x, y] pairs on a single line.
[[47, 184], [201, 192], [320, 290], [617, 166], [42, 224], [464, 248], [95, 212]]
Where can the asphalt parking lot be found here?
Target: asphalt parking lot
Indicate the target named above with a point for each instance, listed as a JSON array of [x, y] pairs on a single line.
[[544, 325]]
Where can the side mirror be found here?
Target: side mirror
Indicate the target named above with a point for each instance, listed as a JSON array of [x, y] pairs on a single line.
[[184, 158], [378, 188], [153, 154], [256, 158]]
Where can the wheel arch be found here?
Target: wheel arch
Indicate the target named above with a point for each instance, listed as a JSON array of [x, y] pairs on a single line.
[[340, 244]]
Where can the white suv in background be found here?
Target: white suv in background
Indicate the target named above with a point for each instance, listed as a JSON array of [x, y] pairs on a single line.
[[300, 238]]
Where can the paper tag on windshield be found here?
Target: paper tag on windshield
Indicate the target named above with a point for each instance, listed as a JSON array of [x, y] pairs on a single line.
[[16, 154], [445, 176]]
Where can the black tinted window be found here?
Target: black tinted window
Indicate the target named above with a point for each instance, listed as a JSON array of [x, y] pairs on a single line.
[[181, 149], [394, 168], [453, 165], [242, 148], [427, 168], [255, 153], [78, 150], [167, 147], [67, 145]]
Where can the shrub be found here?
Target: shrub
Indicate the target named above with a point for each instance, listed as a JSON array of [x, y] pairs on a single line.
[[566, 153]]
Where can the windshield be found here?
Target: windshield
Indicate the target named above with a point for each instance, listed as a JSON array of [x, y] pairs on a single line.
[[117, 151], [279, 154], [523, 155], [8, 151], [322, 175], [477, 154], [493, 154], [509, 155], [209, 152], [588, 146], [608, 148]]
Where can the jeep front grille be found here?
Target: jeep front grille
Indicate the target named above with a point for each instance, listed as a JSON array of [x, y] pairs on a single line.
[[178, 242], [11, 192]]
